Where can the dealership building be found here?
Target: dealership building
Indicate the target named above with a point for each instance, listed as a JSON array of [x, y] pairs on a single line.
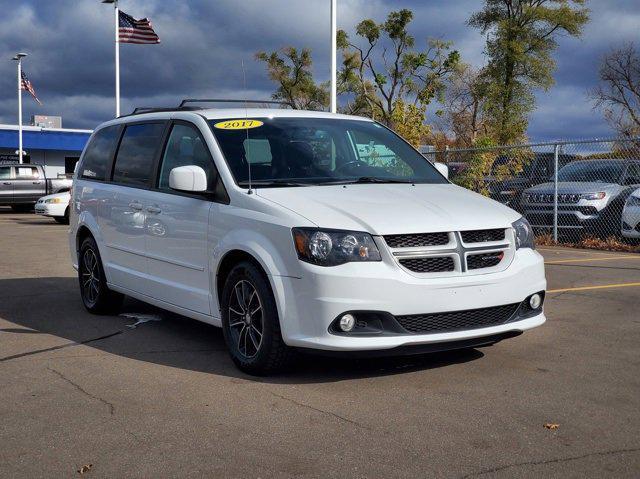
[[57, 149]]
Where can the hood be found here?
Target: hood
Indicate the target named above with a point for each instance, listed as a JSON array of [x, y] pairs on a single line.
[[63, 195], [575, 187], [382, 209]]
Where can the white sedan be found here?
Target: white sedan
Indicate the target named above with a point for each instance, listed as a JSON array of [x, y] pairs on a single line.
[[631, 216], [55, 206]]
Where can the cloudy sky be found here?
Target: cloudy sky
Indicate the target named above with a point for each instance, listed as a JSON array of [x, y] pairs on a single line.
[[70, 46]]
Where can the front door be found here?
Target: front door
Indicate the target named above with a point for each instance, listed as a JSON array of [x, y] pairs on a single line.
[[28, 184], [176, 227]]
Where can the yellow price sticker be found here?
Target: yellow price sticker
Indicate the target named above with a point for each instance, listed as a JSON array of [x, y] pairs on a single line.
[[239, 124]]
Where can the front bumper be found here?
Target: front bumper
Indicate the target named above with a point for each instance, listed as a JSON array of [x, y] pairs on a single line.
[[50, 209], [309, 304]]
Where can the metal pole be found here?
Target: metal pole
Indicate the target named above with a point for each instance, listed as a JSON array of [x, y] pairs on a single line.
[[556, 148], [334, 47], [117, 42], [19, 110]]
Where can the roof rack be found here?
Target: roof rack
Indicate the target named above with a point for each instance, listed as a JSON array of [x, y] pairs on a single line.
[[218, 100], [184, 107]]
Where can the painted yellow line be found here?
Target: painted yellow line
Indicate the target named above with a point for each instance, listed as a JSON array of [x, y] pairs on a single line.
[[602, 286], [584, 260]]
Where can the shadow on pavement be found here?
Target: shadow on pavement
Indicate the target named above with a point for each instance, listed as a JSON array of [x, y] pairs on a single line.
[[52, 306]]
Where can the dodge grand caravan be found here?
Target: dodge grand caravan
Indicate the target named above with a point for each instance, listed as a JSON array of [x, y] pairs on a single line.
[[297, 230]]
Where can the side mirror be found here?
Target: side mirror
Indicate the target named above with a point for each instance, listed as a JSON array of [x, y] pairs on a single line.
[[188, 178], [442, 168]]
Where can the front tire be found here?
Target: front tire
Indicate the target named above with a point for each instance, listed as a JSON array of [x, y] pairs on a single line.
[[250, 322], [63, 220], [96, 296]]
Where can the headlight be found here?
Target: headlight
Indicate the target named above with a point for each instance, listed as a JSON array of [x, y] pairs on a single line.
[[334, 247], [524, 234], [633, 201], [54, 200], [593, 196]]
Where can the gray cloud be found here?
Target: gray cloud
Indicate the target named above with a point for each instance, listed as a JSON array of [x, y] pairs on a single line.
[[70, 43]]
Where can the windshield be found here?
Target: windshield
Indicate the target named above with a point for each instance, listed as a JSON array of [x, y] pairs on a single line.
[[599, 171], [306, 151]]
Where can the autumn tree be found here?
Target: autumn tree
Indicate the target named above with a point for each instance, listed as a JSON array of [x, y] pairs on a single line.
[[382, 66], [521, 38], [618, 94], [463, 106], [292, 71]]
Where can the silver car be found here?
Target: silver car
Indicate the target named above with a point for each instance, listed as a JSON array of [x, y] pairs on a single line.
[[591, 196]]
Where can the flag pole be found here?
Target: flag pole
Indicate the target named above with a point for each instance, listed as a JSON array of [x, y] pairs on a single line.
[[18, 58], [117, 42], [333, 58]]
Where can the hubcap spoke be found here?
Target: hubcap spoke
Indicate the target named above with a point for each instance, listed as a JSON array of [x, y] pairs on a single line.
[[245, 318]]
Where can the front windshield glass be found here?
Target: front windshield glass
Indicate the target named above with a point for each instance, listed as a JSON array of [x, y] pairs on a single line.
[[305, 151], [599, 171]]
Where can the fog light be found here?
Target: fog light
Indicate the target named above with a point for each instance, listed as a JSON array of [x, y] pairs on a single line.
[[535, 301], [347, 322]]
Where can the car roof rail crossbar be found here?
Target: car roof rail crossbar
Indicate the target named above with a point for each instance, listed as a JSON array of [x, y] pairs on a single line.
[[221, 100]]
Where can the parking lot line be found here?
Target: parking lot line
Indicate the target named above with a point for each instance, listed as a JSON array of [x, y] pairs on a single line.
[[585, 260], [601, 286]]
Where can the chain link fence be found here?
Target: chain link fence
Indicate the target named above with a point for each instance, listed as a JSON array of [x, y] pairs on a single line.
[[571, 192]]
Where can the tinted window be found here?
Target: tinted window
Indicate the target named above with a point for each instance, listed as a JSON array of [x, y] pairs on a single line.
[[317, 151], [5, 172], [98, 153], [134, 161], [594, 170], [185, 147]]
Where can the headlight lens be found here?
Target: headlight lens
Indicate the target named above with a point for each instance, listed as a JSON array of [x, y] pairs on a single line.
[[593, 196], [334, 247], [523, 234], [54, 200]]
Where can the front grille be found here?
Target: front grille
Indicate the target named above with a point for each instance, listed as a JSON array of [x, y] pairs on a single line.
[[438, 264], [458, 320], [481, 236], [417, 240], [484, 260]]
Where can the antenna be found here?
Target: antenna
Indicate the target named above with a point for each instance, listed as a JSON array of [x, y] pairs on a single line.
[[246, 117]]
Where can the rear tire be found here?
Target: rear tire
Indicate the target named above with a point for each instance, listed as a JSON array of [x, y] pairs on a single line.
[[250, 322], [22, 208], [96, 296]]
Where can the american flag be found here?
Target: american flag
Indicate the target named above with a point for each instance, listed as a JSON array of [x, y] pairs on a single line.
[[131, 30], [26, 85]]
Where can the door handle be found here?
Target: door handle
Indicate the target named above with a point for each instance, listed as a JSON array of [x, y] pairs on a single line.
[[153, 209], [7, 183], [35, 182], [134, 205]]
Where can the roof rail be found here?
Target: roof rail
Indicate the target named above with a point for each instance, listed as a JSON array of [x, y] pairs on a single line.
[[219, 100], [184, 107]]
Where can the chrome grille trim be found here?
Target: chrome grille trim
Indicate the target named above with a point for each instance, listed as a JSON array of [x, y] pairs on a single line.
[[458, 251]]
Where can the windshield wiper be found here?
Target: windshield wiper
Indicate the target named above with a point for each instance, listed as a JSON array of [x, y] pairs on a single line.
[[375, 179], [274, 182]]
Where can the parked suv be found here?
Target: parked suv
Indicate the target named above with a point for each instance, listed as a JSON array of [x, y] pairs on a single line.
[[509, 190], [22, 184], [290, 230], [591, 196]]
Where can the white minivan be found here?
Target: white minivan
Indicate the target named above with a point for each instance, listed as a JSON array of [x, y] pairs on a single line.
[[297, 230]]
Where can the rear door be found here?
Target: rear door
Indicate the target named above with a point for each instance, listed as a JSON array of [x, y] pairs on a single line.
[[123, 212], [28, 184], [6, 185], [177, 224]]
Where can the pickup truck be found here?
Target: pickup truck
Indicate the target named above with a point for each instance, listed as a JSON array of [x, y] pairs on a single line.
[[22, 184]]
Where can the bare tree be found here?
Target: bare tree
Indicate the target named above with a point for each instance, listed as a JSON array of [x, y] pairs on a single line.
[[618, 94]]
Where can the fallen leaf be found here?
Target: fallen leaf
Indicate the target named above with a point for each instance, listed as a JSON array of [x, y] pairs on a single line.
[[85, 468], [551, 425]]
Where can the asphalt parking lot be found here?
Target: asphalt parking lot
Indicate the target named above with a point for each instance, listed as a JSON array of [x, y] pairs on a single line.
[[163, 399]]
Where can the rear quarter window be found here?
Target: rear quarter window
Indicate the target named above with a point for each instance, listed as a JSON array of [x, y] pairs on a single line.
[[97, 156], [134, 160]]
